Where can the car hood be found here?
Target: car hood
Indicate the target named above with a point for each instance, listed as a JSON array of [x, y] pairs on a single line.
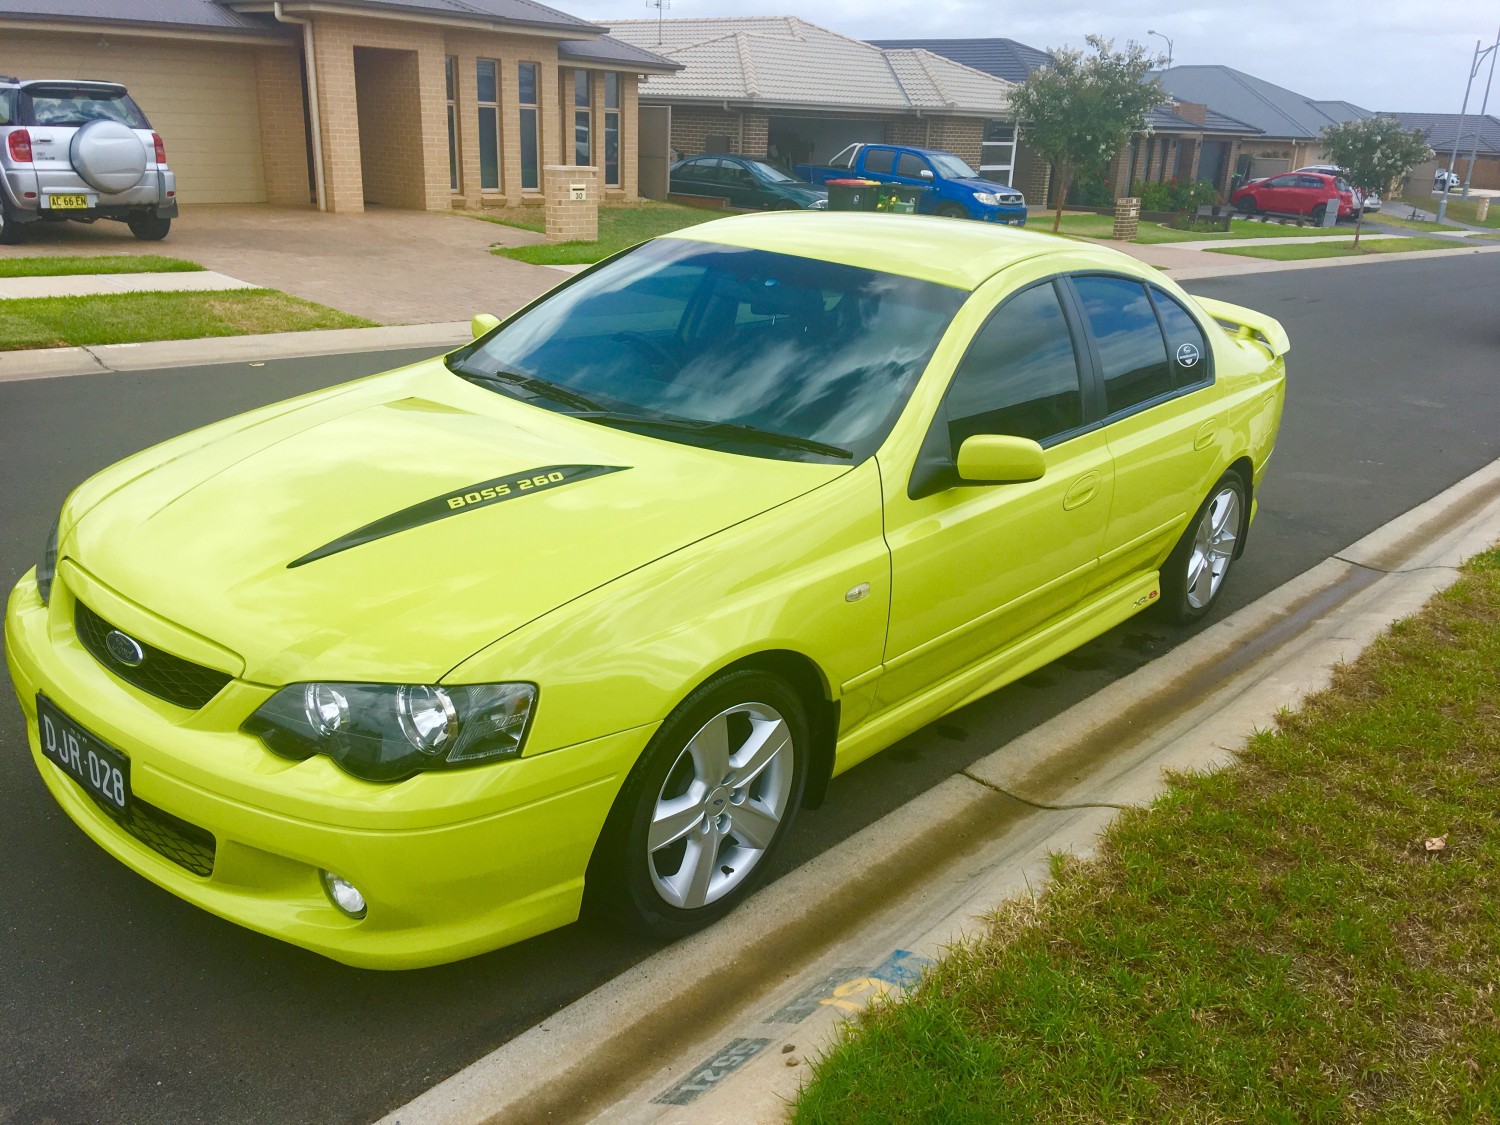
[[802, 191], [391, 530], [978, 184]]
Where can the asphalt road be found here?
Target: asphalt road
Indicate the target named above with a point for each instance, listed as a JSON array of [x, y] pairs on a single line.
[[121, 1003]]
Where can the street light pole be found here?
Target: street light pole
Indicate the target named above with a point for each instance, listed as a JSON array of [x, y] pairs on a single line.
[[1159, 35], [1484, 105], [1442, 211]]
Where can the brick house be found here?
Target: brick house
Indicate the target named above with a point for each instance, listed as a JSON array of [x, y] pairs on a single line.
[[426, 104], [1479, 139], [783, 89]]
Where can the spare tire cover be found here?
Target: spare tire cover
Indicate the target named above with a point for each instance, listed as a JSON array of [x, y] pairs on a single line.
[[108, 155]]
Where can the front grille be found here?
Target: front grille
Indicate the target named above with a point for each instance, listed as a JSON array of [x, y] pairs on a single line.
[[184, 844], [163, 675]]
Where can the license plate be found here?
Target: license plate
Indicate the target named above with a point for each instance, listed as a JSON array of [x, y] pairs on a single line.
[[104, 773], [68, 202]]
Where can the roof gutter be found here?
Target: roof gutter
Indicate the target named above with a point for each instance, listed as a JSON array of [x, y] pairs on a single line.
[[314, 117]]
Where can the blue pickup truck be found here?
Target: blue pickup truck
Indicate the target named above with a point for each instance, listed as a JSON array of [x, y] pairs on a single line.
[[954, 189]]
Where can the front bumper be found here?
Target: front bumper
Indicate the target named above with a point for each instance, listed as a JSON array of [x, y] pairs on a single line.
[[1004, 216], [451, 864]]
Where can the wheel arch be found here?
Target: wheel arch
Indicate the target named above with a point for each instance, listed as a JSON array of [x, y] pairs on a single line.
[[1244, 468], [812, 686]]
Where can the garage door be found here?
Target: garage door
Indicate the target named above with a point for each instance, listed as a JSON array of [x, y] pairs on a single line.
[[199, 96]]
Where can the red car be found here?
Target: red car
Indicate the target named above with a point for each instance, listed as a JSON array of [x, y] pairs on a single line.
[[1296, 193]]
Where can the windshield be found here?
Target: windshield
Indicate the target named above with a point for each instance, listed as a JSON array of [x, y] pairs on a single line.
[[78, 105], [951, 167], [768, 173], [684, 330]]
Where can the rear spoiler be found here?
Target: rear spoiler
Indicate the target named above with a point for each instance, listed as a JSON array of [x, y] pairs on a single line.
[[1247, 324]]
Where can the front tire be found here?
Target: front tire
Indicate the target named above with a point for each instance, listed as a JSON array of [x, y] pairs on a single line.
[[705, 808], [1193, 576], [1246, 205], [149, 228], [951, 211]]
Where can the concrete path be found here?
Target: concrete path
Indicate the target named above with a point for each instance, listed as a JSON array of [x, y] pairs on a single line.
[[92, 284], [390, 266]]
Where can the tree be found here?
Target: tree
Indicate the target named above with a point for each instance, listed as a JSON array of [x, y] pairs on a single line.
[[1374, 154], [1081, 110]]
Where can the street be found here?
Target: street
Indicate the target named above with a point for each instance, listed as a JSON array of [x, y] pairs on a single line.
[[124, 1003]]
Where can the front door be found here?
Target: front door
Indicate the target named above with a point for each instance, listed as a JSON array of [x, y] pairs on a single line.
[[976, 567]]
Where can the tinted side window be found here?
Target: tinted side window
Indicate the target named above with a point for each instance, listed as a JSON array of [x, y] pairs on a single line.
[[911, 165], [880, 160], [1311, 181], [7, 107], [734, 175], [1185, 343], [1281, 181], [1020, 374], [1131, 349]]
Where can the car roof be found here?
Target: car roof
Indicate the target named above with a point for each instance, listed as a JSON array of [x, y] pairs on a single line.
[[951, 252]]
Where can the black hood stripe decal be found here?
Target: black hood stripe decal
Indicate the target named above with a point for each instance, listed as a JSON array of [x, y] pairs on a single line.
[[480, 495]]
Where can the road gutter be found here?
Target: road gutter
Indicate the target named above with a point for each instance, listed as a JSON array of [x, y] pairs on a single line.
[[723, 1022]]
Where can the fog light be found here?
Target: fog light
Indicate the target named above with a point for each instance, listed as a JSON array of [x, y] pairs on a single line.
[[343, 894]]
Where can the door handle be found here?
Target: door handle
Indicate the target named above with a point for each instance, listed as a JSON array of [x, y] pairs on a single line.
[[1082, 490], [1206, 434]]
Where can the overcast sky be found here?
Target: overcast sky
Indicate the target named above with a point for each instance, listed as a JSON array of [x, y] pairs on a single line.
[[1379, 54]]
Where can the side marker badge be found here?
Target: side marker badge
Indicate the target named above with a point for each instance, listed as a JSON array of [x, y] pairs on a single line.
[[858, 593]]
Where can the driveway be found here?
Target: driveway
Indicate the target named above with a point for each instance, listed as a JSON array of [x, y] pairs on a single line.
[[391, 266]]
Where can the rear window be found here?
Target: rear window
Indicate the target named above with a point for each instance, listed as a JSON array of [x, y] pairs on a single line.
[[78, 105]]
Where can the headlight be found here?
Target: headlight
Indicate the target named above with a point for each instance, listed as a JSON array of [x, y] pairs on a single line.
[[989, 199], [387, 732], [46, 570], [819, 205]]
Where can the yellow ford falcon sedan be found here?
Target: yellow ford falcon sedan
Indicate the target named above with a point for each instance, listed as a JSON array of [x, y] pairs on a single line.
[[584, 611]]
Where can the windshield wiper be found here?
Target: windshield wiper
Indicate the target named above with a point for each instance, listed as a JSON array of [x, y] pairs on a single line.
[[735, 430], [538, 387]]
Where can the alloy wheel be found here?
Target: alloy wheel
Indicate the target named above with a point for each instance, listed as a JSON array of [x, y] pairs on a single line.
[[1213, 548], [721, 804]]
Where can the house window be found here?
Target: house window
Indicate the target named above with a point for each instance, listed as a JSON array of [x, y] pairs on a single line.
[[611, 129], [583, 91], [531, 164], [487, 73], [997, 155], [450, 69]]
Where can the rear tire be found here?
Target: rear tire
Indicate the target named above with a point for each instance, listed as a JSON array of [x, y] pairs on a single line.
[[705, 808], [1194, 573], [1317, 213], [10, 232], [149, 228]]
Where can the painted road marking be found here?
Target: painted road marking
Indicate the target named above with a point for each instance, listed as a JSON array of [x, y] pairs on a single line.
[[733, 1055]]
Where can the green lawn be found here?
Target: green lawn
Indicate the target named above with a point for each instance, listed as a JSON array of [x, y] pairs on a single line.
[[1294, 252], [1409, 224], [128, 318], [620, 225], [1275, 942], [103, 263], [1459, 210], [1102, 226]]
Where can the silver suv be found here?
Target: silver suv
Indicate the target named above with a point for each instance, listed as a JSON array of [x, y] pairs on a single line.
[[80, 150]]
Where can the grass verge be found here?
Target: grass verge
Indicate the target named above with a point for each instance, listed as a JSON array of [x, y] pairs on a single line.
[[1273, 942], [129, 318], [1102, 226], [1294, 252], [102, 263], [1459, 210], [620, 225], [1384, 220]]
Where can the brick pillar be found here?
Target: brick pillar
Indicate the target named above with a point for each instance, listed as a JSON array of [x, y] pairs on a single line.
[[570, 219], [1038, 182], [630, 136], [343, 174], [283, 132], [432, 108], [1127, 218]]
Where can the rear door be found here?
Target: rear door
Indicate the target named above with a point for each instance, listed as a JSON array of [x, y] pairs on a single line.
[[55, 112], [878, 162], [1164, 416]]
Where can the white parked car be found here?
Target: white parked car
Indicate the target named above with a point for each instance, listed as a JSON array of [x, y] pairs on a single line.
[[1444, 179]]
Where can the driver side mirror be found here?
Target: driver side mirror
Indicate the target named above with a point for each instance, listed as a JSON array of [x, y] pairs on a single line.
[[997, 459], [925, 173], [482, 323]]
